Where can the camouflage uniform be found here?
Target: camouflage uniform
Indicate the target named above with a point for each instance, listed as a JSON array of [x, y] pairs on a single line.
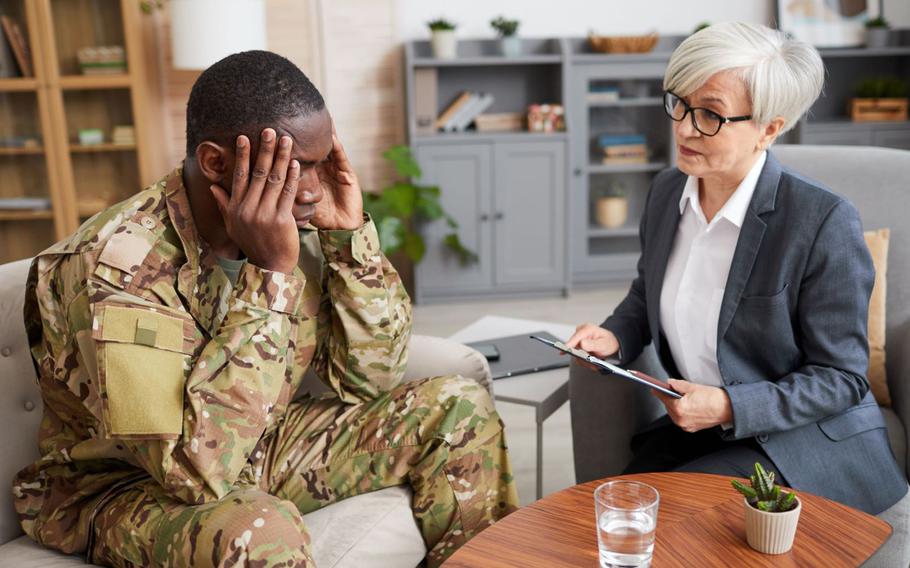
[[170, 432]]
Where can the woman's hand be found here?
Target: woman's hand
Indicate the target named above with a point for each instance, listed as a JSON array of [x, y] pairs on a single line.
[[342, 203], [595, 340], [701, 406]]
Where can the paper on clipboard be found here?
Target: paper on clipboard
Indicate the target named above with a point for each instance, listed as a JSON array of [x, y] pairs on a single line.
[[640, 378]]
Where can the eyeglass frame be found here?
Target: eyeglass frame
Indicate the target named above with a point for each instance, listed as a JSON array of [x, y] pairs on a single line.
[[722, 119]]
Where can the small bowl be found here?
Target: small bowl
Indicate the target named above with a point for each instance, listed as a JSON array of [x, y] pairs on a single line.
[[623, 44]]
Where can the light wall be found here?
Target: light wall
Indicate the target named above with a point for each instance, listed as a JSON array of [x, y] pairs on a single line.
[[576, 17]]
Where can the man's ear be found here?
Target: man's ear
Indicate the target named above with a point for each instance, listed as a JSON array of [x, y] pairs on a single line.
[[771, 132], [214, 161]]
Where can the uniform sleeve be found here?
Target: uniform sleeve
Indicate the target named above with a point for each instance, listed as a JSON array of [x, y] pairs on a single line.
[[190, 419], [365, 317]]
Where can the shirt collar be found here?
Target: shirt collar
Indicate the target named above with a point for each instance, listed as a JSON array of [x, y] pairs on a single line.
[[734, 210]]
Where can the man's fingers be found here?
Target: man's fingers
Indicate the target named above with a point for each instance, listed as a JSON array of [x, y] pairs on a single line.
[[261, 170], [221, 199], [275, 182], [241, 168], [289, 190], [339, 156]]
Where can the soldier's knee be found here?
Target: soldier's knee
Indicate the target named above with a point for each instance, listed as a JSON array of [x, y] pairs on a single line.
[[263, 529], [463, 407], [451, 390]]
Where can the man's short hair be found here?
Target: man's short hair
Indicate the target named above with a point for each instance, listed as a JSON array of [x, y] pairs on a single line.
[[244, 93]]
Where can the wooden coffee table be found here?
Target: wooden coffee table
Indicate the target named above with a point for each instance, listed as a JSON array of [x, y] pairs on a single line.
[[699, 523]]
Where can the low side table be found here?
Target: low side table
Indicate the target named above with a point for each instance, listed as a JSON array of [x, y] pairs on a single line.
[[545, 391], [700, 522]]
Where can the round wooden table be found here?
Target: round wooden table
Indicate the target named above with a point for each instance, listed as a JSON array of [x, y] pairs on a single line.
[[699, 523]]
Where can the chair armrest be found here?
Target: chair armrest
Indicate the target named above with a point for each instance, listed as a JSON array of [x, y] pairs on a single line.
[[606, 412], [898, 371], [434, 356]]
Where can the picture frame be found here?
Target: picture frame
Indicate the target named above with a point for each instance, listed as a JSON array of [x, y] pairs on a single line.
[[827, 23]]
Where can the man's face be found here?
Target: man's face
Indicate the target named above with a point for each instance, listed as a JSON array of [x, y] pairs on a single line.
[[311, 136]]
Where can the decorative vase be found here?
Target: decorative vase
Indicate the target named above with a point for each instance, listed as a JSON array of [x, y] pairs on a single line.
[[877, 37], [444, 44], [511, 46], [612, 212], [771, 533]]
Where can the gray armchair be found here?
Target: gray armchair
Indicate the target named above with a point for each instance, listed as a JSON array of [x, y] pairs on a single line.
[[606, 413]]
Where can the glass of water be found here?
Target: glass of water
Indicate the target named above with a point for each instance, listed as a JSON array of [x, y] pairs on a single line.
[[626, 514]]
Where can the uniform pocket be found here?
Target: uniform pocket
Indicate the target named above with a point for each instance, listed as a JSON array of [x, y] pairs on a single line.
[[143, 359]]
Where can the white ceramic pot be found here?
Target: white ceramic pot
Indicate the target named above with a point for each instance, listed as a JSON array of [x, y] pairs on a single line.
[[444, 44], [612, 212], [511, 46], [771, 533]]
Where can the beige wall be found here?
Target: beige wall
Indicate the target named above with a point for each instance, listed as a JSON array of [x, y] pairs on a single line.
[[347, 47]]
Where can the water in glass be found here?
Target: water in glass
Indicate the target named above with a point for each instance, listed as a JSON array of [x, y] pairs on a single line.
[[625, 538]]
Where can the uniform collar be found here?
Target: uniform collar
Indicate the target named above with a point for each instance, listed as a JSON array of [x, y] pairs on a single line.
[[200, 281], [734, 210]]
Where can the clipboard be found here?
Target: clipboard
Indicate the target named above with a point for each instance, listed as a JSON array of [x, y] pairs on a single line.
[[608, 367]]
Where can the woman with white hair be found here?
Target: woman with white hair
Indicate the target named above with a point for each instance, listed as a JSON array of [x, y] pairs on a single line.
[[754, 285]]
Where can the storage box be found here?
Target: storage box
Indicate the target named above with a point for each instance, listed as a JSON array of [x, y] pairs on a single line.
[[500, 122], [876, 110]]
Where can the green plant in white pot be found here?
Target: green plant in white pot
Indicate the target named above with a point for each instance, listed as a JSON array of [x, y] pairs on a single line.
[[507, 30], [442, 37], [877, 32], [772, 515]]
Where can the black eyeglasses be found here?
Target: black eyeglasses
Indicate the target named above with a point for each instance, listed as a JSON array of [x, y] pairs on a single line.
[[704, 120]]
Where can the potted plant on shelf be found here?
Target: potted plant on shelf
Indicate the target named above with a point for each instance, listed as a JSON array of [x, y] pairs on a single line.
[[612, 207], [398, 209], [877, 32], [879, 99], [771, 514], [507, 31], [442, 37]]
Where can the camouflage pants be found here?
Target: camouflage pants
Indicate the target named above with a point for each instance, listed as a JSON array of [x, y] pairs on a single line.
[[441, 436]]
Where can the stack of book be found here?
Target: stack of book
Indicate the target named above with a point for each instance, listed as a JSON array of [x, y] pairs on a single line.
[[603, 94], [623, 148], [463, 110], [123, 135]]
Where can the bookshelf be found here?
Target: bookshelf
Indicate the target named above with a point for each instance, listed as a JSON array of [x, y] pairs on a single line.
[[477, 175], [40, 154]]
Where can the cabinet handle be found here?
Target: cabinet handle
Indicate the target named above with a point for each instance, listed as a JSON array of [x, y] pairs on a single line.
[[577, 172], [484, 217], [499, 215]]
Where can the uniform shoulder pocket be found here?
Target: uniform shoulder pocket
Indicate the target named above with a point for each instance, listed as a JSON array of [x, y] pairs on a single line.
[[143, 358]]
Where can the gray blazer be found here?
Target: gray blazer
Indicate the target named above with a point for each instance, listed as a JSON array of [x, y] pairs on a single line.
[[792, 347]]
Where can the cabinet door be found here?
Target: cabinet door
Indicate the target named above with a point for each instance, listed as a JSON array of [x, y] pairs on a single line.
[[893, 138], [529, 211], [462, 172]]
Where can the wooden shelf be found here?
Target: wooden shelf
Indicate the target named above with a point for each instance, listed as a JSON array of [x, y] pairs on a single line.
[[93, 82], [94, 148], [26, 214], [624, 168], [474, 136], [18, 84], [21, 151]]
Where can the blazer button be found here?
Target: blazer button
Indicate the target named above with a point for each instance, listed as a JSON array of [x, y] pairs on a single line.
[[29, 405], [762, 438], [6, 351]]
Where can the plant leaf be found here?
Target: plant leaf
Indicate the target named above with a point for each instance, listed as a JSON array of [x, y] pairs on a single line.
[[465, 256], [403, 160], [413, 246], [768, 506], [391, 234], [400, 199], [747, 491], [787, 502], [427, 203]]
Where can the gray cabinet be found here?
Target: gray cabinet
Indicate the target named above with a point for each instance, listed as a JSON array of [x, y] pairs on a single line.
[[509, 201]]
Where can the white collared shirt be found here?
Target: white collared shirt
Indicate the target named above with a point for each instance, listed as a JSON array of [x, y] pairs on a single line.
[[696, 277]]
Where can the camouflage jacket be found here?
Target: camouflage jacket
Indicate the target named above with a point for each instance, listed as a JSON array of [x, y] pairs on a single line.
[[151, 364]]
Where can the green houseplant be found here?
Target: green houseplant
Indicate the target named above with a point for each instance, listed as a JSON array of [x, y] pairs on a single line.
[[772, 514], [880, 98], [398, 210], [877, 32], [442, 37], [507, 31]]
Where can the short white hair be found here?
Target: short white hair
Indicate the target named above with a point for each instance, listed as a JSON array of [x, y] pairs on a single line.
[[783, 76]]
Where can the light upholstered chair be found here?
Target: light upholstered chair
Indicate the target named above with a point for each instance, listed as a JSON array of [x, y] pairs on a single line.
[[372, 530], [606, 413]]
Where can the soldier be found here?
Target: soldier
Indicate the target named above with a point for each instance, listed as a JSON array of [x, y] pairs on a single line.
[[172, 330]]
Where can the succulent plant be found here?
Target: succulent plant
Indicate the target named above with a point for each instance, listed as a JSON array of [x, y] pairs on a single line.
[[441, 25], [878, 22], [504, 27], [763, 494]]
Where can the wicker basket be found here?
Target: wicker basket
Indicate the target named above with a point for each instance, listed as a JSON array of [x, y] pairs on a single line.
[[623, 44]]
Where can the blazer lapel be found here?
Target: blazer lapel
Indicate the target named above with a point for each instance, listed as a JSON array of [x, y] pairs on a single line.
[[749, 243], [665, 234]]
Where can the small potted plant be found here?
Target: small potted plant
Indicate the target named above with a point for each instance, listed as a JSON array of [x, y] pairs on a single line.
[[612, 208], [442, 36], [771, 514], [880, 99], [877, 32], [507, 31]]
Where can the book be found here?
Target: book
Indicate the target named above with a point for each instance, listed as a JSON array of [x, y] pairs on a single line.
[[8, 66], [626, 150], [618, 160], [453, 107], [18, 45], [500, 122], [24, 203], [425, 99], [456, 118], [477, 105], [606, 140]]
